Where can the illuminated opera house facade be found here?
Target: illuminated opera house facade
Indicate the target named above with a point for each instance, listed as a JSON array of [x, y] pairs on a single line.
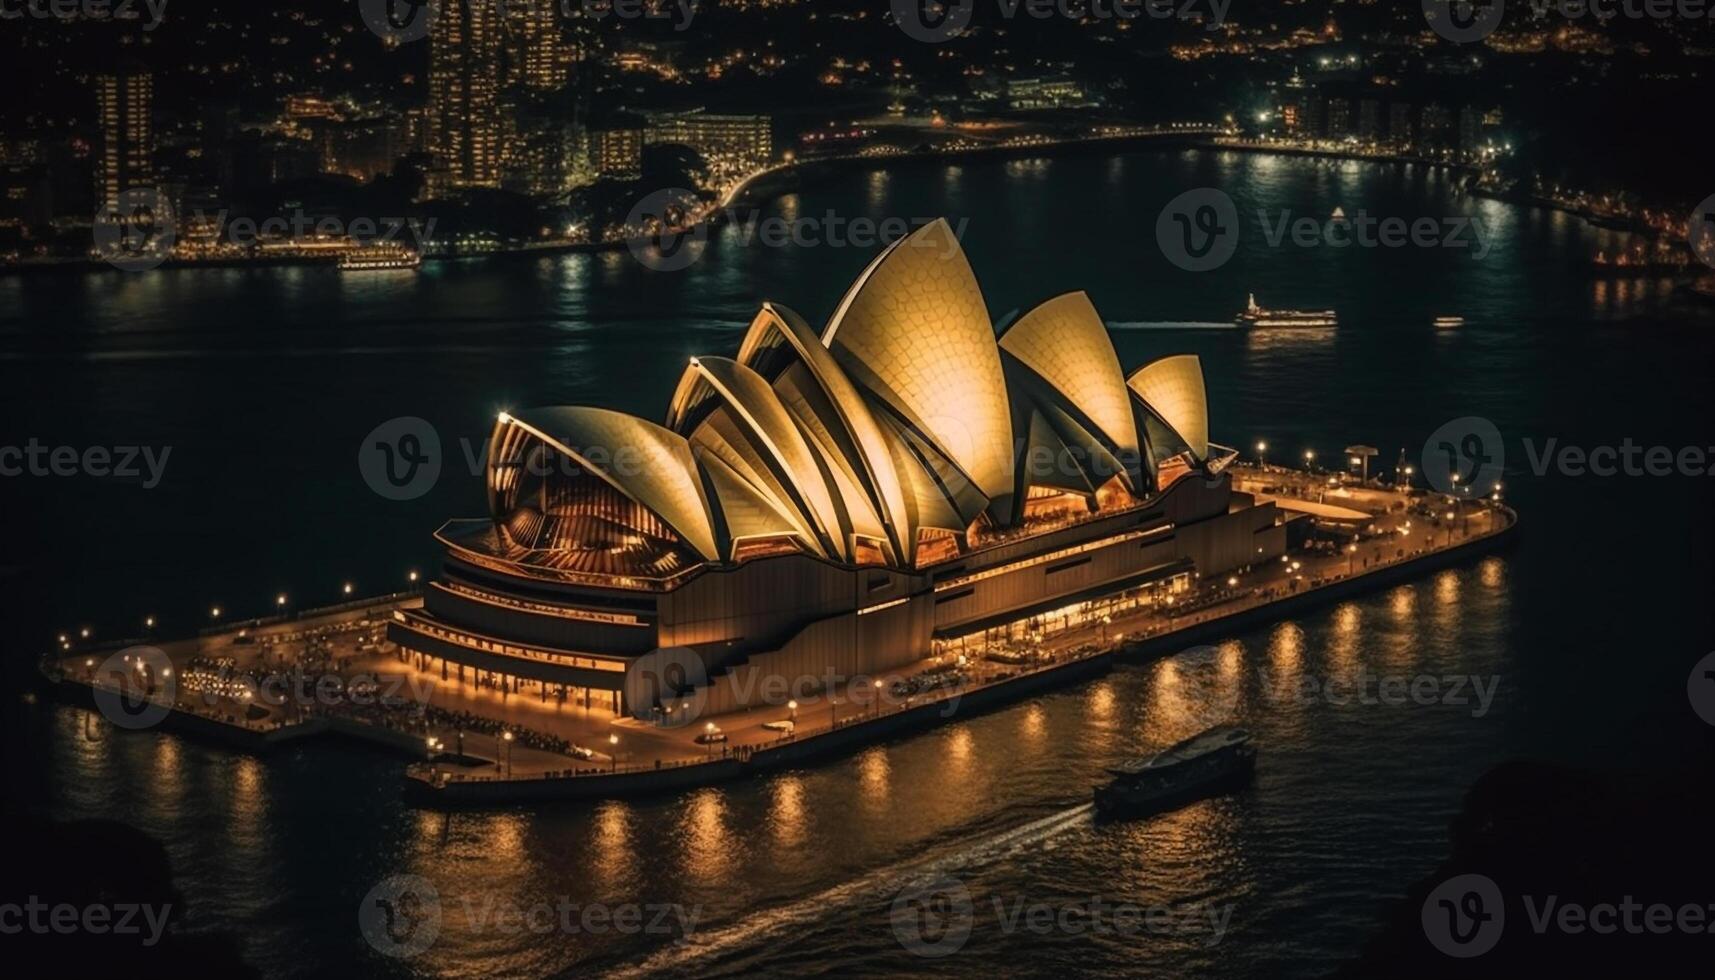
[[897, 487]]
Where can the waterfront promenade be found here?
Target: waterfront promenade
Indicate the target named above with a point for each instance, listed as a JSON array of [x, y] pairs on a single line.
[[469, 739]]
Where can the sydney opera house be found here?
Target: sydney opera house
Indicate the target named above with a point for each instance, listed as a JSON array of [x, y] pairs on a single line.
[[913, 482]]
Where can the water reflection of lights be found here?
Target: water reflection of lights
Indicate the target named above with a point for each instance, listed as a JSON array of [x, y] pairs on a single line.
[[789, 206], [786, 811], [1403, 602], [961, 748], [709, 843], [248, 799], [873, 773], [1447, 587], [1492, 573], [612, 843], [1035, 722], [503, 837], [1101, 706]]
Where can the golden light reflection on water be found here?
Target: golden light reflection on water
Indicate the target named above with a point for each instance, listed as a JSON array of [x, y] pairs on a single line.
[[249, 799], [1343, 653], [710, 846], [1492, 573], [1101, 701], [789, 206], [167, 777], [873, 777], [786, 811], [961, 749], [1402, 603], [502, 837], [610, 844], [1034, 722]]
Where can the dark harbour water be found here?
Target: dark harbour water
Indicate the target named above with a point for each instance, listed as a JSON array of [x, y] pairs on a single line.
[[264, 382]]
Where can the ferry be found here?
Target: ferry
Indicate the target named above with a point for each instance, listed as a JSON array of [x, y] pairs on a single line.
[[1256, 316], [382, 255], [1449, 321], [1218, 759]]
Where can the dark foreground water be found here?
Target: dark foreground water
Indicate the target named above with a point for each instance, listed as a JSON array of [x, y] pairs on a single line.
[[263, 383]]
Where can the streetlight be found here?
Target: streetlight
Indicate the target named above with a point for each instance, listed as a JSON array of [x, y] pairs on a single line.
[[1105, 621], [878, 698], [1261, 451], [280, 600], [709, 737], [83, 633], [506, 744], [613, 752], [411, 576], [792, 707], [214, 613], [1351, 557], [148, 622], [1309, 460], [346, 588]]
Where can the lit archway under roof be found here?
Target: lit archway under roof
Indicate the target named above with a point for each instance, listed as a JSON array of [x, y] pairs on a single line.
[[647, 463]]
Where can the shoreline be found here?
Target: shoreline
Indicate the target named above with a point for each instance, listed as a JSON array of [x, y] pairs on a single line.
[[435, 786]]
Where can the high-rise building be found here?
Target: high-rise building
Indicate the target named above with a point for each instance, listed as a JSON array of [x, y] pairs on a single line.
[[126, 142], [1399, 128], [1369, 119], [617, 152], [464, 85], [1339, 118], [732, 146], [539, 54]]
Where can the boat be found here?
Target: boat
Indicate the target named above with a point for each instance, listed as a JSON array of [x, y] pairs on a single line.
[[1449, 321], [1256, 316], [1203, 765], [381, 255]]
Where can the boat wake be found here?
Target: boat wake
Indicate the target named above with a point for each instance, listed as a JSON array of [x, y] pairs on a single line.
[[881, 885]]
